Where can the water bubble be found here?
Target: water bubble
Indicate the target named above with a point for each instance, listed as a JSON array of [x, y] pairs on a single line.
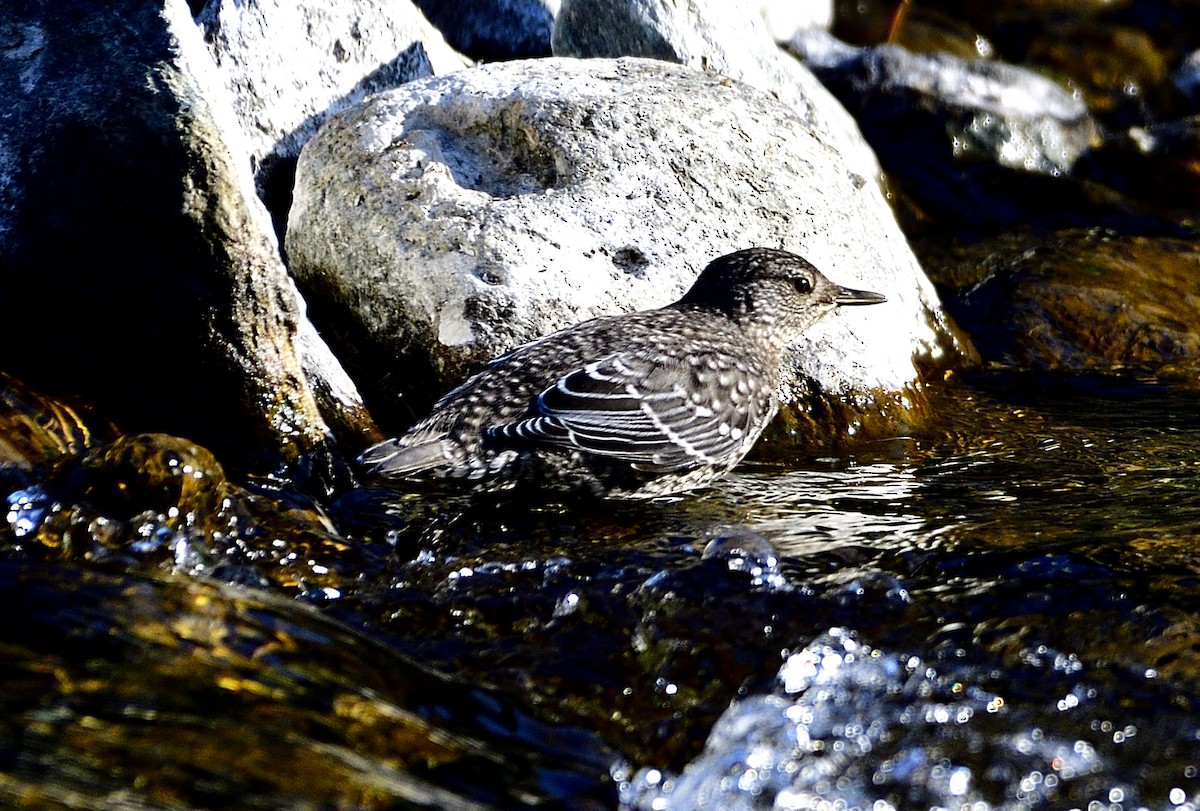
[[746, 551], [567, 604], [960, 781], [26, 509]]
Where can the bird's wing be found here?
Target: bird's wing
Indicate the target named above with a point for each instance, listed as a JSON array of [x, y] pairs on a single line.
[[658, 414]]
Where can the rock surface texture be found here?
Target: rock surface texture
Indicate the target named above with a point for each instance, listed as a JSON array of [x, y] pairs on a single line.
[[140, 270], [290, 66], [717, 37], [457, 217]]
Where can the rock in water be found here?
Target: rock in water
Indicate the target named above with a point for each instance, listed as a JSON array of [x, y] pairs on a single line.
[[447, 222]]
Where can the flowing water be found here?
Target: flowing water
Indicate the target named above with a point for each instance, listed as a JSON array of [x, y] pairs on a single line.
[[1018, 583], [1000, 612], [1025, 634]]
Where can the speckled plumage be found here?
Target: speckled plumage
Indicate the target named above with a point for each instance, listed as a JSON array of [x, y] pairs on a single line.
[[637, 405]]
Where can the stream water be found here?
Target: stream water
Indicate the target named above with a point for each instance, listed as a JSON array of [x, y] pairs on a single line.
[[1021, 590], [1000, 612]]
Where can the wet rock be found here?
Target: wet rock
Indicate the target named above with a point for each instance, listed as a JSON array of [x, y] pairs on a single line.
[[944, 35], [170, 692], [716, 37], [457, 217], [159, 503], [1114, 56], [921, 28], [969, 140], [1186, 78], [140, 270], [494, 30], [36, 429], [743, 550], [289, 66], [849, 725], [1159, 165], [1113, 67], [1083, 302]]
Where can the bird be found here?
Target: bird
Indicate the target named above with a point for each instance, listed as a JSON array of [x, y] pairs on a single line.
[[632, 406]]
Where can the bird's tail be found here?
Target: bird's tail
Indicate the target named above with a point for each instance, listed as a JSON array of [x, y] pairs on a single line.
[[392, 459]]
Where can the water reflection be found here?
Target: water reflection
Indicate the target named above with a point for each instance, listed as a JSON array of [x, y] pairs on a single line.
[[1096, 469], [1046, 650], [1033, 552], [809, 511]]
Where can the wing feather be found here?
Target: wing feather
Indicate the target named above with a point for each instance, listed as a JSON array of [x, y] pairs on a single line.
[[659, 415]]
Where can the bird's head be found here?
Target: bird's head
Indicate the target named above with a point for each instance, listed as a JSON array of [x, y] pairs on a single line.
[[771, 292]]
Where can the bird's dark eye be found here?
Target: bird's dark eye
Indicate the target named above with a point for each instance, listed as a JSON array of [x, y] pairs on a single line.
[[803, 284]]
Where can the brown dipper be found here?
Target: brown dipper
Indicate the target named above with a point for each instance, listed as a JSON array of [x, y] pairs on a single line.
[[628, 406]]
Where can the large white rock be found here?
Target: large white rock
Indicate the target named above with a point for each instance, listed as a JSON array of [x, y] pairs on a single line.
[[463, 215], [291, 65], [716, 36], [784, 18]]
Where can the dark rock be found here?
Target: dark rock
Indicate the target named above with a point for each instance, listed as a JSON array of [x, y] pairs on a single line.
[[1113, 67], [1158, 165], [1186, 78], [140, 271], [968, 140], [494, 30], [171, 692], [1083, 302]]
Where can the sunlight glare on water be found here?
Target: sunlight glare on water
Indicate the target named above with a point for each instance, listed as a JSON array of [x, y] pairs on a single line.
[[1053, 467], [1026, 630], [806, 511]]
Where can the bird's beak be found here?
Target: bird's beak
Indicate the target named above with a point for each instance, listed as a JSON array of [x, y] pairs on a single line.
[[846, 296]]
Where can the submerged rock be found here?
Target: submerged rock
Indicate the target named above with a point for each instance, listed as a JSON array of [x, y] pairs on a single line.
[[155, 502], [36, 429], [455, 218], [1082, 302], [170, 692], [140, 270]]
